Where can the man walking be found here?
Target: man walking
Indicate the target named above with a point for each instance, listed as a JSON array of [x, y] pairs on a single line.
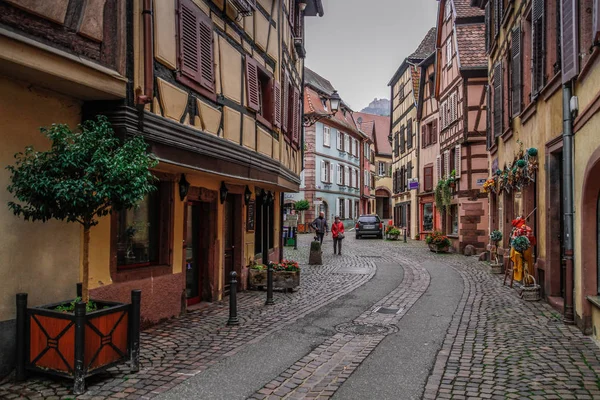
[[320, 226]]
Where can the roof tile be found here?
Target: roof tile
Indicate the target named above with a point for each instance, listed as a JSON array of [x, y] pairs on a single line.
[[471, 45]]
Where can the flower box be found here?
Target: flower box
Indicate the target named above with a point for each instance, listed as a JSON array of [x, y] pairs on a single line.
[[77, 344], [284, 280], [436, 249], [496, 268]]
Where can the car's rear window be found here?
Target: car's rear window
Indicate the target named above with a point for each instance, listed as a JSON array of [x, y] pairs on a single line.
[[369, 220]]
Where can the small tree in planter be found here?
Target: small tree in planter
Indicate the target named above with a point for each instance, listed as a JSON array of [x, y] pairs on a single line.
[[302, 205], [87, 174]]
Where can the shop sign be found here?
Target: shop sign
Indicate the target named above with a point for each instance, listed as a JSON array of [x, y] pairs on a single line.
[[481, 181], [413, 184], [250, 211]]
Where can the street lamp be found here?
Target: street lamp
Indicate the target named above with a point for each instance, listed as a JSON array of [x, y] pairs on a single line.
[[247, 195], [223, 191], [184, 187], [334, 101], [302, 5]]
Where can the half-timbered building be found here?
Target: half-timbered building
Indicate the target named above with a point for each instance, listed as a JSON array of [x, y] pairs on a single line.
[[461, 81], [428, 119], [404, 135], [214, 87]]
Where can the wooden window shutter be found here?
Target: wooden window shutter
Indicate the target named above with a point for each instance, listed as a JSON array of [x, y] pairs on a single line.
[[285, 106], [596, 21], [402, 139], [423, 139], [409, 133], [252, 84], [488, 122], [446, 164], [516, 71], [570, 38], [323, 174], [496, 18], [277, 104], [434, 131], [539, 47], [498, 99], [409, 169], [189, 45], [428, 184], [297, 118], [488, 28], [207, 75], [457, 160], [438, 167]]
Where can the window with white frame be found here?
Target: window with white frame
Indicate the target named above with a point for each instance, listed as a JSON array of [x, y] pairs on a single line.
[[326, 136], [325, 171], [365, 176], [347, 143], [339, 174], [355, 147], [340, 141], [353, 172], [381, 169], [302, 184], [347, 208], [347, 176], [449, 51]]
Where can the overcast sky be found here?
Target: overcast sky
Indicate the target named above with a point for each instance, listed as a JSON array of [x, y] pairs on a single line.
[[359, 44]]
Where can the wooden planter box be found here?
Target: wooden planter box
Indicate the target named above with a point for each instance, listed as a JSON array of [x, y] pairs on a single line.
[[283, 280], [496, 268], [393, 237], [79, 344]]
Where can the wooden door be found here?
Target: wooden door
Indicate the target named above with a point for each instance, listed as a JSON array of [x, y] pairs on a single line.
[[229, 241], [191, 251]]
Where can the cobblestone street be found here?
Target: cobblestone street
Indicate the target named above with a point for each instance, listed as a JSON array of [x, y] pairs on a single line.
[[491, 344]]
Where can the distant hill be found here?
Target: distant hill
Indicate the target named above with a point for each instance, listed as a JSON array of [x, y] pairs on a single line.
[[378, 107]]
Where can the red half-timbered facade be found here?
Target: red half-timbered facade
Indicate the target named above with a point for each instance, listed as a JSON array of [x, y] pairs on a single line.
[[461, 83]]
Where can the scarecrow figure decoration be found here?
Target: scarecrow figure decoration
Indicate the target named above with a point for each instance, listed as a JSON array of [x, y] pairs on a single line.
[[521, 252]]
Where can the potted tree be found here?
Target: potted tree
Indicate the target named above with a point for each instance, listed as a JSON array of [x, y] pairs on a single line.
[[87, 174], [495, 264], [301, 206]]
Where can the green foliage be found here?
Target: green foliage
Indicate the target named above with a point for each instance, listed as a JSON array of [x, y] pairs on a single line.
[[496, 236], [70, 307], [302, 205], [85, 175], [443, 194], [393, 232], [521, 243]]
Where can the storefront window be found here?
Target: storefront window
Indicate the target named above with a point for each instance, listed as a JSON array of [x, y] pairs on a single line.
[[427, 217], [138, 233], [454, 219]]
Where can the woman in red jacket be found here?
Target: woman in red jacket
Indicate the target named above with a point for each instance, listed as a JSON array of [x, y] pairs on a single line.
[[337, 231]]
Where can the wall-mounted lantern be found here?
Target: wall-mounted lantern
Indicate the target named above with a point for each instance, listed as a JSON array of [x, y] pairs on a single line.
[[184, 187]]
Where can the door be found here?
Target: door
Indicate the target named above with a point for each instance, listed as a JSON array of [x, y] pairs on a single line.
[[598, 245], [191, 250], [229, 241]]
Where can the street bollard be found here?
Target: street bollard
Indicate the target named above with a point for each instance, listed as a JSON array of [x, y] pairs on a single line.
[[269, 285], [405, 229], [134, 334], [80, 290], [233, 318], [21, 335], [295, 238], [79, 373]]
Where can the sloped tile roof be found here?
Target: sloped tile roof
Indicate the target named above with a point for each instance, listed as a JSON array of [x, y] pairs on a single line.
[[313, 104], [465, 10], [426, 47], [382, 130], [471, 45], [416, 77], [317, 81]]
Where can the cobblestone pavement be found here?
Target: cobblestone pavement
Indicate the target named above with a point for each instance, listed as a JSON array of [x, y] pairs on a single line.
[[183, 347], [497, 346]]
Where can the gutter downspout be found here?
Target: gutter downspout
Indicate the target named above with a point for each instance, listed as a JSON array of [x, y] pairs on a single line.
[[148, 94], [569, 316]]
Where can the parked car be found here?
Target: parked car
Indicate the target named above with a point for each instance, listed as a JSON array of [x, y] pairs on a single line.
[[369, 225]]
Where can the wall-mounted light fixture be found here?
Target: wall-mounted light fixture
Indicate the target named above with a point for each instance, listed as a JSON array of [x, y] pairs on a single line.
[[247, 195], [223, 191], [184, 187], [334, 101]]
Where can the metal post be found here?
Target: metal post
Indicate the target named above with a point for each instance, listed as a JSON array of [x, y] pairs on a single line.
[[233, 318], [21, 335], [405, 229], [79, 290], [567, 181], [79, 372], [134, 333], [295, 230], [269, 285]]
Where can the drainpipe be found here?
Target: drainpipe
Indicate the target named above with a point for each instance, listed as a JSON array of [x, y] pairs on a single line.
[[146, 97], [282, 240], [569, 315]]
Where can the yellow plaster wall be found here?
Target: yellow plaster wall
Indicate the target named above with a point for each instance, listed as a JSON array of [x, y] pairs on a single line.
[[261, 30], [164, 33], [210, 117], [230, 70], [249, 132], [172, 100], [31, 253], [265, 142], [587, 141], [231, 124]]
